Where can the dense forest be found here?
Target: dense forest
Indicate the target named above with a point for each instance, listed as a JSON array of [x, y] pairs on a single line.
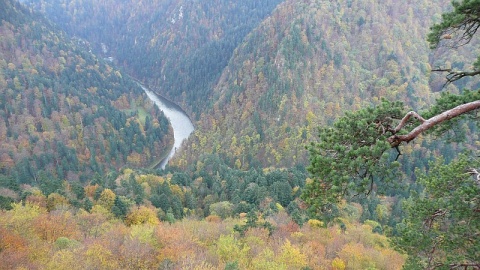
[[177, 47], [65, 114], [262, 183], [309, 63], [274, 65]]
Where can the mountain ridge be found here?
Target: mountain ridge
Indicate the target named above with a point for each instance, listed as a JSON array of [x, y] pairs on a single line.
[[258, 96], [294, 72], [181, 49]]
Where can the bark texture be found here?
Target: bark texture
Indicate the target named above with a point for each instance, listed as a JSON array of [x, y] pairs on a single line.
[[395, 140]]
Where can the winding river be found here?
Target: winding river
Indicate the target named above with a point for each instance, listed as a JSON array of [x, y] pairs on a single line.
[[181, 124]]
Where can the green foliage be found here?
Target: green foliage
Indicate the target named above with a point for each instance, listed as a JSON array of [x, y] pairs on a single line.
[[232, 266], [9, 182], [6, 203], [64, 242], [213, 184], [222, 209], [462, 21], [253, 222], [447, 101], [120, 206], [351, 156], [442, 223], [456, 29]]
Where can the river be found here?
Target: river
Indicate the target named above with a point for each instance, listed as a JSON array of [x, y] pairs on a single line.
[[181, 124]]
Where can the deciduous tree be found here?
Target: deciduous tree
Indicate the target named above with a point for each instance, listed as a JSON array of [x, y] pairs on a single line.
[[142, 215]]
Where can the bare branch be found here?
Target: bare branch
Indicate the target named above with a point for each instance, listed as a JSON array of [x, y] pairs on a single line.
[[396, 140], [457, 75], [405, 119], [398, 153], [453, 76]]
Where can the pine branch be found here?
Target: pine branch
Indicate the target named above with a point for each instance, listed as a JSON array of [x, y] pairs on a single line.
[[396, 140]]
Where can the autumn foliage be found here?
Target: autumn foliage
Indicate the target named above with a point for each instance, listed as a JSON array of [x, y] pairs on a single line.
[[74, 239]]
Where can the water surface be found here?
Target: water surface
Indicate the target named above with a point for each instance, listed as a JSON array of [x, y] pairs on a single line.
[[181, 124]]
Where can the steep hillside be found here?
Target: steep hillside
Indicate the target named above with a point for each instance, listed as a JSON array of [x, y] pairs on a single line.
[[179, 47], [65, 114], [260, 77], [305, 65]]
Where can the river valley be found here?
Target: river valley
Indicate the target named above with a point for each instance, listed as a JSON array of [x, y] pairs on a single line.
[[181, 123]]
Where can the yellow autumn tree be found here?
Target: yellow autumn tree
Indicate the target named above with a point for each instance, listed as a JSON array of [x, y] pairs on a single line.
[[292, 256], [356, 256], [65, 259], [55, 201], [107, 199], [99, 257], [266, 261], [20, 218], [142, 215], [338, 264], [230, 249]]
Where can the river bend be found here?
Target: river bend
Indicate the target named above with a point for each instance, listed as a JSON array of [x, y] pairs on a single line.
[[181, 124]]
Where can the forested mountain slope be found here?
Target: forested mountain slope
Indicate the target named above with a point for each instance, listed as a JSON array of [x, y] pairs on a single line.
[[179, 47], [260, 76], [308, 63], [65, 114]]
